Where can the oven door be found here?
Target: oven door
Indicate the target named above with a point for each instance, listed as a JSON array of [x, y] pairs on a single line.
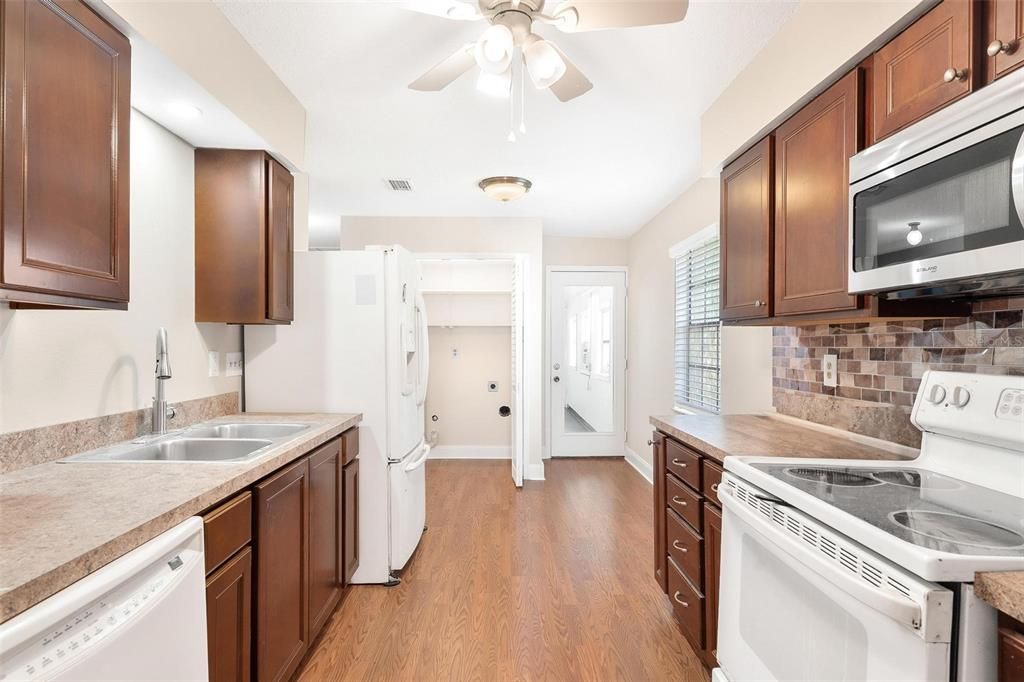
[[800, 602], [954, 212]]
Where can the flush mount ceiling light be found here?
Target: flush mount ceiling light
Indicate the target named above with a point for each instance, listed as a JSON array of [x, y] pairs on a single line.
[[914, 235], [505, 188]]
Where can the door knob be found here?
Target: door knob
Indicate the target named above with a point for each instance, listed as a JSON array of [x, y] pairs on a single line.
[[556, 380], [997, 46], [954, 75]]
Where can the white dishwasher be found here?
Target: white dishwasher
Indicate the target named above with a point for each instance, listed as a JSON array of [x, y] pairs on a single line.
[[141, 617]]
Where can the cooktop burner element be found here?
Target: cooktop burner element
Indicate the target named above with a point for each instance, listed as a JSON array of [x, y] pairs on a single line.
[[916, 479], [956, 528], [832, 476]]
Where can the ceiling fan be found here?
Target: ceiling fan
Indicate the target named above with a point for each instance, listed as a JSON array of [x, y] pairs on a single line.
[[512, 27]]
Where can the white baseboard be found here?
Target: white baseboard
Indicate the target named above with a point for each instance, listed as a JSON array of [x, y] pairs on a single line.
[[471, 452], [640, 464], [535, 472]]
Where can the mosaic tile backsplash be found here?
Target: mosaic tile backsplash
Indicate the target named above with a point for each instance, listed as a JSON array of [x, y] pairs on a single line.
[[881, 364]]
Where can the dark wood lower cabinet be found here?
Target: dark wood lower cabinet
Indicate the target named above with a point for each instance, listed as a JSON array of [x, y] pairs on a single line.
[[350, 534], [282, 572], [325, 534], [688, 540], [229, 619]]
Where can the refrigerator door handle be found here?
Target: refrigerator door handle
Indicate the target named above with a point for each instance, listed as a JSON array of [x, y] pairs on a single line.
[[423, 361], [418, 462]]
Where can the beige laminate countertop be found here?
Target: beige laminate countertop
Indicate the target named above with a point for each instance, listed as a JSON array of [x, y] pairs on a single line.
[[719, 436], [59, 522], [1003, 590]]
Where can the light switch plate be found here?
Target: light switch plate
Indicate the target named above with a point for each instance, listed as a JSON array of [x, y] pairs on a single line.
[[830, 368], [213, 363], [233, 366]]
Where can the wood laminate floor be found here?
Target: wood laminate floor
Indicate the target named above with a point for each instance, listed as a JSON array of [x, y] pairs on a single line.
[[552, 582]]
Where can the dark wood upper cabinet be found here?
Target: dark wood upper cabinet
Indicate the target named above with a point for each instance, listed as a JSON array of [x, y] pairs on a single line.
[[282, 572], [66, 100], [927, 66], [229, 619], [244, 237], [350, 535], [1004, 37], [812, 152], [325, 534], [746, 234]]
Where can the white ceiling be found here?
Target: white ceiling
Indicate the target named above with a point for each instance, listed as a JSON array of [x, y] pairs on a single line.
[[602, 165]]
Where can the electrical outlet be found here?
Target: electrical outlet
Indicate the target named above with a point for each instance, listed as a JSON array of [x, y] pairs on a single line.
[[830, 367], [213, 363], [233, 366]]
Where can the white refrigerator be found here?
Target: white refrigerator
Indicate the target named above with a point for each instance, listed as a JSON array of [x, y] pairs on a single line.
[[358, 344]]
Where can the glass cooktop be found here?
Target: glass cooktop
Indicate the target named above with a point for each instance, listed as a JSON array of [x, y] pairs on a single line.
[[921, 507]]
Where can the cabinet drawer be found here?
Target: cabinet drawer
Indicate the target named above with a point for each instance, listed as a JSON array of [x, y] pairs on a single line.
[[683, 501], [227, 529], [712, 479], [349, 446], [688, 605], [685, 547], [683, 462]]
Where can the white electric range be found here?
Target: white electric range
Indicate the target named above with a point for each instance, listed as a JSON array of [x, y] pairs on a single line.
[[862, 570]]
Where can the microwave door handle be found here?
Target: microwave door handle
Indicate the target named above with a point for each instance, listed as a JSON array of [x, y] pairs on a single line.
[[786, 546], [1017, 178]]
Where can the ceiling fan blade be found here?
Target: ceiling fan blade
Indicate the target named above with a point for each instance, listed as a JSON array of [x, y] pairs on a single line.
[[595, 15], [573, 83], [445, 73], [460, 10]]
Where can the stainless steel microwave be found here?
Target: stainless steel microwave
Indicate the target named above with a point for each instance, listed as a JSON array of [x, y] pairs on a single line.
[[938, 208]]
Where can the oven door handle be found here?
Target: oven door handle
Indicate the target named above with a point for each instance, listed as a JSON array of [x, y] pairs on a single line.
[[1017, 178], [898, 608]]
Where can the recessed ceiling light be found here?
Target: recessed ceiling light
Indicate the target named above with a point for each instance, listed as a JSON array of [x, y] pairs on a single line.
[[505, 188], [184, 110]]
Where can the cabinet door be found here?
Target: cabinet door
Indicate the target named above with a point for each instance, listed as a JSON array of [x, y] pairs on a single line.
[[282, 572], [325, 512], [351, 520], [712, 567], [660, 550], [229, 619], [812, 153], [66, 74], [280, 251], [910, 72], [746, 234], [1004, 37]]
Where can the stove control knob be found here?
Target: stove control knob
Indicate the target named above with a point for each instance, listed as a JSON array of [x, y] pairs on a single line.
[[937, 394], [961, 396]]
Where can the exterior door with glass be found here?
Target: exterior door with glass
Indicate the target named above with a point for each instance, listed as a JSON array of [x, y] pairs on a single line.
[[587, 362]]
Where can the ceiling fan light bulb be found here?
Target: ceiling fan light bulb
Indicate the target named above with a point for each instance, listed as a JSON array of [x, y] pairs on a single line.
[[495, 84], [494, 49], [544, 63]]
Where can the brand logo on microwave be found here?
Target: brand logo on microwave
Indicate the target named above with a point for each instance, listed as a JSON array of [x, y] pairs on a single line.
[[929, 269]]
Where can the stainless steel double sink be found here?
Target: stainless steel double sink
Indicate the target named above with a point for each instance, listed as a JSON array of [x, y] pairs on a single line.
[[229, 443]]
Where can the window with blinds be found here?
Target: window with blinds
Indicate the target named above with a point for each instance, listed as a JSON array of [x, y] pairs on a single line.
[[697, 354]]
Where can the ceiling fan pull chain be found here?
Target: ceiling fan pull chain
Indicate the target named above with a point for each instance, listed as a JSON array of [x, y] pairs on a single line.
[[512, 101], [522, 96]]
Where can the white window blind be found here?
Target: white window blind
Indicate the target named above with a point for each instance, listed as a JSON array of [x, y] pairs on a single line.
[[697, 354]]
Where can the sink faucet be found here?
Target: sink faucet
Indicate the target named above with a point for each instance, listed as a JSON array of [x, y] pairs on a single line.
[[161, 410]]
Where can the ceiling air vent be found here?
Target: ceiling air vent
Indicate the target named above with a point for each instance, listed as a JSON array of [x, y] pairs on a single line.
[[399, 184]]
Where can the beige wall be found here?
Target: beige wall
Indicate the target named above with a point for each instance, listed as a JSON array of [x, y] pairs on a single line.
[[64, 365], [746, 352], [585, 251], [477, 235], [462, 362], [821, 39]]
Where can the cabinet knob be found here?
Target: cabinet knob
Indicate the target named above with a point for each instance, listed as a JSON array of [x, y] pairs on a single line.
[[954, 75], [997, 46], [650, 442]]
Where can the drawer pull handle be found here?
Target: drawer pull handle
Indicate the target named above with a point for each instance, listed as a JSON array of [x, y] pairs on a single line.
[[679, 463], [714, 488], [678, 500], [680, 601], [675, 543]]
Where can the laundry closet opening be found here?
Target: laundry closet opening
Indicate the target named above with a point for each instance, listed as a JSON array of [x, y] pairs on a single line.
[[474, 397]]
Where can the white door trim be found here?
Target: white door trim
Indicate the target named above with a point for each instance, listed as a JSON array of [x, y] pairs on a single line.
[[549, 271]]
